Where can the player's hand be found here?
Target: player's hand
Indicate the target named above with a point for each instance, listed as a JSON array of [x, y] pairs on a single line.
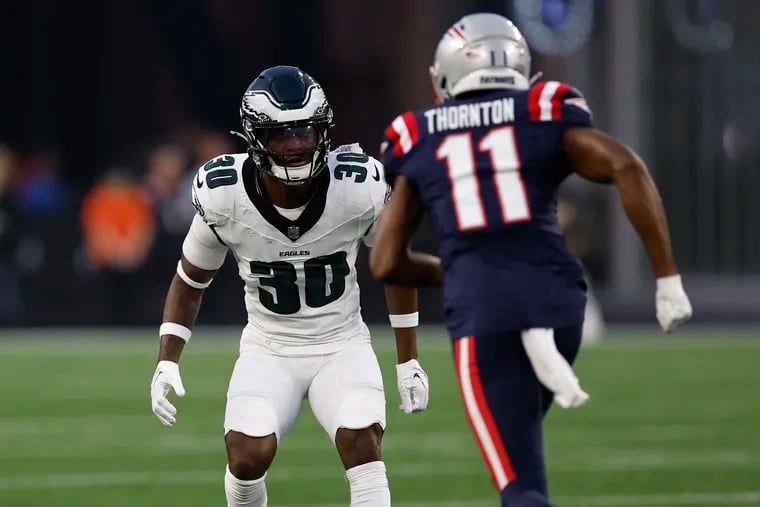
[[552, 369], [673, 305], [413, 386], [166, 378]]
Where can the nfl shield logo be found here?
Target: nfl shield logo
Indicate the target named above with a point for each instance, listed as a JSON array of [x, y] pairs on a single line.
[[294, 232]]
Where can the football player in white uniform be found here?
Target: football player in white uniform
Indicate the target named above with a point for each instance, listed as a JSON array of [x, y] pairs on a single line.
[[293, 213]]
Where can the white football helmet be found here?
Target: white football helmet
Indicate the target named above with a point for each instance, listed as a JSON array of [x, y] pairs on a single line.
[[481, 51]]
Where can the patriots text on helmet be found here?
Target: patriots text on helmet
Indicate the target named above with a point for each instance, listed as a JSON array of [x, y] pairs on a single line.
[[480, 114]]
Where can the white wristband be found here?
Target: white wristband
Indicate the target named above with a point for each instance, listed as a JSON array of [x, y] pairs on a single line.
[[405, 320], [177, 330], [672, 283], [192, 283]]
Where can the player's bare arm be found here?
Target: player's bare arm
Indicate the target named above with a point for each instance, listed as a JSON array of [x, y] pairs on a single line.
[[391, 260], [181, 307], [180, 310], [600, 158], [412, 380]]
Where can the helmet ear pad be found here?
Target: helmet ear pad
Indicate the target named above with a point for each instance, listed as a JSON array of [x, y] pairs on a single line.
[[439, 85]]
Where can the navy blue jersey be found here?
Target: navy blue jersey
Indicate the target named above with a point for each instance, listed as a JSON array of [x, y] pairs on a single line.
[[487, 169]]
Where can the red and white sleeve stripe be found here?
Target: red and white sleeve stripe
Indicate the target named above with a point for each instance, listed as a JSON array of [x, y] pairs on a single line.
[[403, 133], [545, 100]]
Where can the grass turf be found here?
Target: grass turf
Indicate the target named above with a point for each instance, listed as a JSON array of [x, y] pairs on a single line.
[[672, 421]]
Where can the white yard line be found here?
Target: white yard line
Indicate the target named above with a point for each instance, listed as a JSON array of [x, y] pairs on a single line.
[[629, 459], [223, 340], [282, 474], [26, 482], [116, 343], [645, 500], [14, 427], [37, 482], [440, 448], [597, 464], [432, 503], [665, 499], [277, 474]]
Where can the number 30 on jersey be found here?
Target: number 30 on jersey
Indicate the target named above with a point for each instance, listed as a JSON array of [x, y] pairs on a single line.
[[282, 276]]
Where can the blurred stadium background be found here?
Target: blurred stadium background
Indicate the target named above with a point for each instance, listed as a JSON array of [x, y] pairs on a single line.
[[109, 107]]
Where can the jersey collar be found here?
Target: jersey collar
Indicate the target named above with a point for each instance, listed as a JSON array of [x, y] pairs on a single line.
[[292, 229]]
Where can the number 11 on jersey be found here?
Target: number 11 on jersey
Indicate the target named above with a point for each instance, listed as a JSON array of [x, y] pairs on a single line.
[[458, 152]]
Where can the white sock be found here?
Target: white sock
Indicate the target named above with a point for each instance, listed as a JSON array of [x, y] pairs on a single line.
[[369, 485], [244, 493]]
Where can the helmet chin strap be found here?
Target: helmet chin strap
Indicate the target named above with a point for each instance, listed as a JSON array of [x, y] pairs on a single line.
[[245, 138], [240, 135]]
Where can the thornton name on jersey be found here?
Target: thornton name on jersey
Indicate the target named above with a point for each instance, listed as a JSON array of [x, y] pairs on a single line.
[[479, 114]]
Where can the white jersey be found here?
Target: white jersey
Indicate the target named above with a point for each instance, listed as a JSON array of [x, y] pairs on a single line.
[[301, 289]]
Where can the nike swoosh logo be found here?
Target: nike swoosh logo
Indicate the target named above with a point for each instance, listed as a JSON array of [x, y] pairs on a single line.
[[376, 176], [198, 181]]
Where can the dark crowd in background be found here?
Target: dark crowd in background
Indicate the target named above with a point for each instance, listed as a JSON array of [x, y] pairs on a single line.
[[109, 107], [114, 106]]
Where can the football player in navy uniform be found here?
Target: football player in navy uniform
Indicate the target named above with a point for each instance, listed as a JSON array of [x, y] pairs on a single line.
[[485, 163]]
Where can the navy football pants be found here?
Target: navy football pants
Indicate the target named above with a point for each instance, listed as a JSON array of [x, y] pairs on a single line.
[[505, 404]]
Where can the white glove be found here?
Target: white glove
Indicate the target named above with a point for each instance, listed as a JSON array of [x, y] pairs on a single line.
[[166, 378], [673, 306], [413, 386], [551, 368]]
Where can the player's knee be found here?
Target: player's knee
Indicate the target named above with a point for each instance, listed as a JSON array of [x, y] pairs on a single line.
[[247, 468], [249, 458], [357, 447]]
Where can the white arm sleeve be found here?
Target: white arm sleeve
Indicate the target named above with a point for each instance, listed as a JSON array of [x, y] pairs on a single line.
[[202, 247]]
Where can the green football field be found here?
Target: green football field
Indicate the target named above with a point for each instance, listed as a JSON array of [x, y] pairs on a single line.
[[672, 421]]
